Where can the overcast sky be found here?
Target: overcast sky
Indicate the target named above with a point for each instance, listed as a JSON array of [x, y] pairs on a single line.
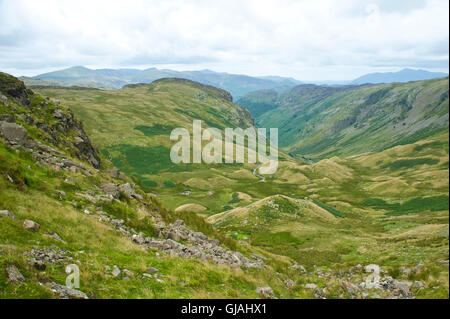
[[307, 40]]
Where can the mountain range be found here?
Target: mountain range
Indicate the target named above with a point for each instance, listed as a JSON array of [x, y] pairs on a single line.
[[405, 75], [237, 85]]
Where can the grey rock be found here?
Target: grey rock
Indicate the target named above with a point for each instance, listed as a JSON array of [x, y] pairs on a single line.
[[31, 225], [13, 274], [66, 292], [111, 189], [418, 284], [128, 273], [6, 213], [310, 286], [116, 271], [152, 270], [299, 268], [129, 191], [13, 132]]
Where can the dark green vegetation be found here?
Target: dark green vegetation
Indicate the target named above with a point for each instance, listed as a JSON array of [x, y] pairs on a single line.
[[414, 205], [321, 122]]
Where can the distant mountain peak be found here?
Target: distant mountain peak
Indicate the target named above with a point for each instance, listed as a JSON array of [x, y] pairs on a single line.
[[404, 75]]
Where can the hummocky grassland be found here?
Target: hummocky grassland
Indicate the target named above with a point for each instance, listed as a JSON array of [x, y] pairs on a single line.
[[387, 207]]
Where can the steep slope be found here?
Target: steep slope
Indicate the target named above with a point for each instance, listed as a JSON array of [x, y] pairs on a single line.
[[238, 85], [320, 122], [405, 75]]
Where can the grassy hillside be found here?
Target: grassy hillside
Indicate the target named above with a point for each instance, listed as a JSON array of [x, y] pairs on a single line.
[[388, 207], [57, 209], [132, 127], [321, 122]]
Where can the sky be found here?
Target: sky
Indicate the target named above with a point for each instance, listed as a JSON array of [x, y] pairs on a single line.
[[304, 39]]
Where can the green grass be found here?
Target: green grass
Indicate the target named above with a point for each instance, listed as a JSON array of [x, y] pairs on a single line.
[[410, 163]]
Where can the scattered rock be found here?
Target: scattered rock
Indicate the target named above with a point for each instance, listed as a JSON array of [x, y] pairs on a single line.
[[6, 213], [311, 286], [60, 193], [128, 273], [13, 274], [152, 270], [298, 267], [418, 284], [116, 271], [289, 283], [47, 255], [31, 225], [265, 292], [66, 292], [111, 189]]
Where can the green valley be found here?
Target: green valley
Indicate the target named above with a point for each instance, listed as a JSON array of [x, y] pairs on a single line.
[[304, 231]]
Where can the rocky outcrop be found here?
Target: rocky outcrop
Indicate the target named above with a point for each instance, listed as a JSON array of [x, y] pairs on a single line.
[[15, 88], [194, 245], [55, 122]]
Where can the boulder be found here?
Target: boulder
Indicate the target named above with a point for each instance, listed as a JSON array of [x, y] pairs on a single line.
[[129, 192], [13, 132], [66, 292], [116, 271], [31, 225], [13, 274], [7, 213]]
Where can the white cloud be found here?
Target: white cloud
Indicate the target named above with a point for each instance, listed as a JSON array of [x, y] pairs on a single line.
[[324, 39]]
